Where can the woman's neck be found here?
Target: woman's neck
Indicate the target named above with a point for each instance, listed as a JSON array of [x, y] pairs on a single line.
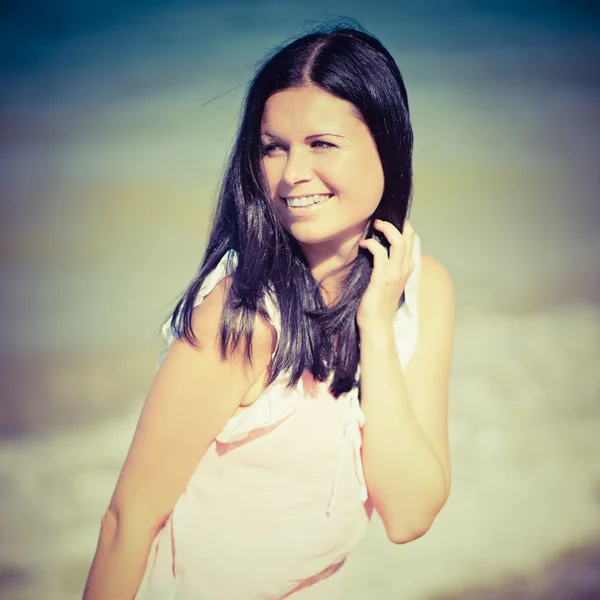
[[329, 264]]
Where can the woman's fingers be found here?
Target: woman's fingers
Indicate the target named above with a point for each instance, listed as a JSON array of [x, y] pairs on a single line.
[[380, 255], [399, 259], [409, 238], [400, 244]]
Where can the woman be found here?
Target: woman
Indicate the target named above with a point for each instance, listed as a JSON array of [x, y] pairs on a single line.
[[306, 379]]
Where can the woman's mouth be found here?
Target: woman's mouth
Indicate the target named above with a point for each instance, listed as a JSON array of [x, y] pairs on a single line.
[[306, 203]]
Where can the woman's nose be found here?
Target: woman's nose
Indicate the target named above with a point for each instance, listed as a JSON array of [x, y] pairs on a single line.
[[297, 168]]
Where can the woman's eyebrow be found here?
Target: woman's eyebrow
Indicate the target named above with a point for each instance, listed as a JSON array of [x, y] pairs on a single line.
[[308, 137]]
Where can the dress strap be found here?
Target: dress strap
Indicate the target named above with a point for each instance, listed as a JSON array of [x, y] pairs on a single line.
[[406, 321], [227, 265]]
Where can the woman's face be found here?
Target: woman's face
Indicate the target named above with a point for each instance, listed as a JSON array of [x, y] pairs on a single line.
[[313, 144]]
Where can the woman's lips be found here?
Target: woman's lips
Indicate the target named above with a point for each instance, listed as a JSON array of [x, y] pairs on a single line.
[[308, 207]]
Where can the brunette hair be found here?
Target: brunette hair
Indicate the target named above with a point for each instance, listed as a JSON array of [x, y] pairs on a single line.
[[348, 63]]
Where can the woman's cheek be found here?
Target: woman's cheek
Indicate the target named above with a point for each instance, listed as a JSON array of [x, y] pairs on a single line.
[[337, 173], [270, 179]]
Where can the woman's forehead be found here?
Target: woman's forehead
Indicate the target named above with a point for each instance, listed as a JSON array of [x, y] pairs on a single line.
[[308, 110]]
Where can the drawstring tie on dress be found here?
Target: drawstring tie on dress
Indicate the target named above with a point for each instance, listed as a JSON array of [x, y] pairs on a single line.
[[353, 418]]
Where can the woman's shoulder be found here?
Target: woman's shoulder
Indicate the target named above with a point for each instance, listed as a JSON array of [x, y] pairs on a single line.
[[436, 287], [207, 316], [433, 272]]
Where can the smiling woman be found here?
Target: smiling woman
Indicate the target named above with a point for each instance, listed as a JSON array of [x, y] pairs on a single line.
[[342, 169], [306, 377]]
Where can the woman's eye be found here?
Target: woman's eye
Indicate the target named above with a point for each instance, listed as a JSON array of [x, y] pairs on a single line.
[[320, 144], [268, 148]]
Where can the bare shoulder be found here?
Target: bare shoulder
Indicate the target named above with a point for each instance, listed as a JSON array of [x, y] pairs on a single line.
[[436, 290], [206, 322]]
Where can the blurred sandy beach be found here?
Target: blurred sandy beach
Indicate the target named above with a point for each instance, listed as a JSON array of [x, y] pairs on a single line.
[[113, 137]]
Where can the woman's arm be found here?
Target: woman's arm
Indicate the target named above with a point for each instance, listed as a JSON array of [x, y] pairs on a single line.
[[191, 398], [405, 445]]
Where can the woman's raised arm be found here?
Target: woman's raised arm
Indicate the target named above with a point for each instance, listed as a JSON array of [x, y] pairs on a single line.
[[192, 396]]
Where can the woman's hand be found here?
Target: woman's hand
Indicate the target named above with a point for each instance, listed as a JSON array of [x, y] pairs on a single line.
[[390, 274]]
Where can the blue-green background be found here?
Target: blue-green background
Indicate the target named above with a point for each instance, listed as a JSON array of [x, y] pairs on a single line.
[[115, 123]]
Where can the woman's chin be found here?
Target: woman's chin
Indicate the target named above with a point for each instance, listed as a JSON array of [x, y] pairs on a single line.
[[313, 239], [333, 241]]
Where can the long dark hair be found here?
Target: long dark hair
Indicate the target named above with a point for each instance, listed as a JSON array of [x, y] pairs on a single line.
[[348, 63]]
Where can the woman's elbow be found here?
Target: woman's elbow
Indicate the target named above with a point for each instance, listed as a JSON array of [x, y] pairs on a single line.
[[409, 530], [405, 535]]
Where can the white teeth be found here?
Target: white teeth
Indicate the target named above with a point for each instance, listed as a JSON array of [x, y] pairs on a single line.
[[306, 200]]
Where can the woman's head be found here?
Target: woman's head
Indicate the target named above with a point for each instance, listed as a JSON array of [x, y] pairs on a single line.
[[340, 81], [315, 144], [335, 80]]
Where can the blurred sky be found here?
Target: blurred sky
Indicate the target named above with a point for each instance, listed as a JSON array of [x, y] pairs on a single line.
[[33, 29]]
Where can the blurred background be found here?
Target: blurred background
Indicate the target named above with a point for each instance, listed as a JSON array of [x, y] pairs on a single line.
[[116, 119]]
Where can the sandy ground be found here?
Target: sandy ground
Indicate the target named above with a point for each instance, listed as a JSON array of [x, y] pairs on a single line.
[[110, 160]]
